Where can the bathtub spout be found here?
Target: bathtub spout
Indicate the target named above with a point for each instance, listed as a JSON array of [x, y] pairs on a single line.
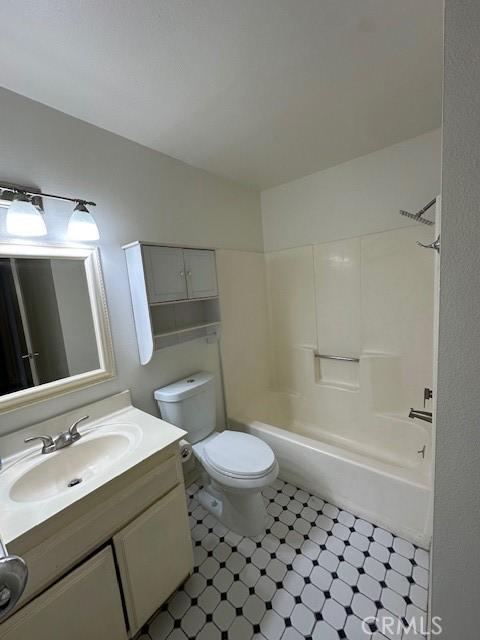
[[421, 415]]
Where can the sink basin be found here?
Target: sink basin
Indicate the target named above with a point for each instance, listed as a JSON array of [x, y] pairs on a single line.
[[56, 473]]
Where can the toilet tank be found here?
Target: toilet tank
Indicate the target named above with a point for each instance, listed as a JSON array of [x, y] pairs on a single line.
[[190, 404]]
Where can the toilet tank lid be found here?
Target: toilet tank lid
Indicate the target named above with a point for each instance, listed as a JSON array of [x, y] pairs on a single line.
[[184, 388]]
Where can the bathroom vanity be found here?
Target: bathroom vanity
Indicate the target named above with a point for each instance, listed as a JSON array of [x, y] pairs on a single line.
[[101, 524]]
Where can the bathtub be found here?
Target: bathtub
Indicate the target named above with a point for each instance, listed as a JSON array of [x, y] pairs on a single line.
[[387, 482]]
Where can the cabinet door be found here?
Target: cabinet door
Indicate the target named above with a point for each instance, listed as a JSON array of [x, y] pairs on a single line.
[[201, 273], [84, 604], [154, 555], [164, 273]]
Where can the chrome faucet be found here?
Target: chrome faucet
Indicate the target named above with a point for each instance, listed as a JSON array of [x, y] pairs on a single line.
[[64, 439], [421, 415]]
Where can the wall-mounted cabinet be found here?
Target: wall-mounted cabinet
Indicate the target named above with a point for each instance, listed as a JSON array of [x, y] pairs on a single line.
[[174, 295]]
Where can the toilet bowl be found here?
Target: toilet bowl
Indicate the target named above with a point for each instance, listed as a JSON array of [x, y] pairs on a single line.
[[237, 465]]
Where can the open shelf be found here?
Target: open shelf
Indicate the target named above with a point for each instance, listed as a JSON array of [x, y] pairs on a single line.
[[190, 328]]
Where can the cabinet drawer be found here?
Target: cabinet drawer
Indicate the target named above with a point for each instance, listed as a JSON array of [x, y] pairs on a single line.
[[154, 555], [84, 604]]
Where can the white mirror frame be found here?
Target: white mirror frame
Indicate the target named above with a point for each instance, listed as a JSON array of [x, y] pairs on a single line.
[[98, 302]]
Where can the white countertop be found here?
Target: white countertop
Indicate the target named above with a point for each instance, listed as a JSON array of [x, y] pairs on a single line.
[[151, 435]]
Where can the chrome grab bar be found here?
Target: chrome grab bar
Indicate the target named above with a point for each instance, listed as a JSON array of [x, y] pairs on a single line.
[[324, 356], [13, 578]]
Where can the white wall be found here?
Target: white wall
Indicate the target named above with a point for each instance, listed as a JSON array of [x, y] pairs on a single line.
[[244, 333], [354, 198], [456, 533], [141, 195]]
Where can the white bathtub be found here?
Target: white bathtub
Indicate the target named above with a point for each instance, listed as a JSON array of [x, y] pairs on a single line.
[[390, 487]]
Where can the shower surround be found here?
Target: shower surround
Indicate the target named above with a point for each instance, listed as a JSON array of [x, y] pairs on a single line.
[[338, 427]]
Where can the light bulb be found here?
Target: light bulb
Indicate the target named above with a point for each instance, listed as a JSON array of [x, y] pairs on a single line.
[[23, 219], [81, 225]]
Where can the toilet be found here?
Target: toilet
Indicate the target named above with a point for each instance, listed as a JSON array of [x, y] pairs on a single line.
[[238, 465]]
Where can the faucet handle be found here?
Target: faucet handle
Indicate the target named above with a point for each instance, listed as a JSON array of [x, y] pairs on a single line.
[[73, 431], [48, 443]]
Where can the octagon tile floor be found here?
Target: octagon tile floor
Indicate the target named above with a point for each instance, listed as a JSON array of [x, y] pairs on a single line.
[[315, 574]]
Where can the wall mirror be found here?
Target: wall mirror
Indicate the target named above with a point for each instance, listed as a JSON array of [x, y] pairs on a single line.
[[54, 327]]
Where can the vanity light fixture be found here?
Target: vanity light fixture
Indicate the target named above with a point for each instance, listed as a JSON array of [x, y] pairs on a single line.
[[23, 218], [82, 226], [25, 215]]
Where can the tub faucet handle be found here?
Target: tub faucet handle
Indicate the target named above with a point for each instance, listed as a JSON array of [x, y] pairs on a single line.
[[427, 395]]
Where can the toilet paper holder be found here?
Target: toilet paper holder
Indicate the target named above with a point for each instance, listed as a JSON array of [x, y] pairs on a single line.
[[13, 578]]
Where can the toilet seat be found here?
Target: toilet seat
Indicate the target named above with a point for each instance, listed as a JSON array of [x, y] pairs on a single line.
[[239, 455]]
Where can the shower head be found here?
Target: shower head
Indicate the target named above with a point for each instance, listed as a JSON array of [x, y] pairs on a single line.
[[418, 216]]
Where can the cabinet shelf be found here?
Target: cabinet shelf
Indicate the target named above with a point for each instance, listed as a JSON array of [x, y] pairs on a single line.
[[186, 301], [192, 327], [174, 295]]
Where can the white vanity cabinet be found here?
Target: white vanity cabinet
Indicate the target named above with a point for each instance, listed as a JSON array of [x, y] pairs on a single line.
[[84, 604], [174, 295], [154, 554], [129, 540]]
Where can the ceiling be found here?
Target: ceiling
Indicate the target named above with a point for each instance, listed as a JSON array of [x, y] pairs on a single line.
[[259, 91]]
